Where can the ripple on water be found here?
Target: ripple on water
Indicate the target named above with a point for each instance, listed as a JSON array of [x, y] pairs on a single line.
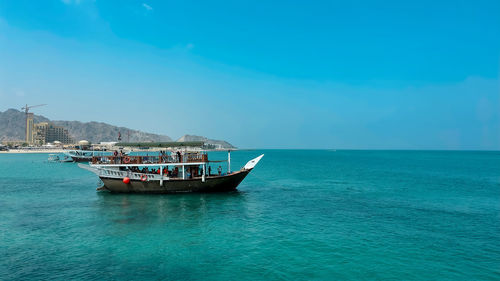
[[299, 215]]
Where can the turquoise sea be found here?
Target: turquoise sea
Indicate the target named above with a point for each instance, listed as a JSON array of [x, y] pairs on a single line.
[[301, 214]]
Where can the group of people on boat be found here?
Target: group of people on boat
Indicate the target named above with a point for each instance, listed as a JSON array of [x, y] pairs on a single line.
[[163, 156], [145, 170], [191, 171], [119, 157]]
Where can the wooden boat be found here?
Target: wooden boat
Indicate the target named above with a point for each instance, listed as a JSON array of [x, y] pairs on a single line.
[[57, 158], [79, 155], [170, 173], [53, 158]]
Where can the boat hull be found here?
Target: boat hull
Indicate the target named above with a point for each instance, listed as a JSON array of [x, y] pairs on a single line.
[[81, 159], [212, 184]]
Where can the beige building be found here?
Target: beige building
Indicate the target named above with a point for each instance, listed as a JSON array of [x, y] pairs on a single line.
[[47, 132], [29, 128]]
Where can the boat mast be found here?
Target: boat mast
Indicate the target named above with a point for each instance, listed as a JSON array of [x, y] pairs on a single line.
[[203, 172], [161, 175], [229, 161]]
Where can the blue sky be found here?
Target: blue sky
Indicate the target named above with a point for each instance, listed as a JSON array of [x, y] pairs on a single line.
[[263, 74]]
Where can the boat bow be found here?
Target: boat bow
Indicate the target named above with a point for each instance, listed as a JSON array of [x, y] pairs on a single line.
[[89, 168], [251, 164]]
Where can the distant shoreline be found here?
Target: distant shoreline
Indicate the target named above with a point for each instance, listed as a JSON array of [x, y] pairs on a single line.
[[45, 151], [23, 151]]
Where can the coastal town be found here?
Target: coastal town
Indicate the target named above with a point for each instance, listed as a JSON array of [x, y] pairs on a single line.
[[123, 166], [25, 132], [42, 137]]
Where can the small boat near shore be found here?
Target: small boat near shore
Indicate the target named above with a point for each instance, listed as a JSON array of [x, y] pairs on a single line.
[[86, 155], [168, 172], [53, 158], [57, 158], [81, 155]]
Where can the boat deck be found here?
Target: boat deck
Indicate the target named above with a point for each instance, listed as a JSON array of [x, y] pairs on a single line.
[[194, 159]]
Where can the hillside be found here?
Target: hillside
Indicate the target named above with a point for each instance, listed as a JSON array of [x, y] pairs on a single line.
[[98, 131], [12, 126]]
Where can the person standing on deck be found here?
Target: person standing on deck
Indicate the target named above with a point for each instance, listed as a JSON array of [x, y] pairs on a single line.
[[219, 170]]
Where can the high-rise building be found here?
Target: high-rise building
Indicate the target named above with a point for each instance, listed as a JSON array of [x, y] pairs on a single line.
[[29, 128], [47, 132]]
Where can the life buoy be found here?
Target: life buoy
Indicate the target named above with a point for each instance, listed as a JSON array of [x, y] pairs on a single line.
[[126, 160], [144, 177]]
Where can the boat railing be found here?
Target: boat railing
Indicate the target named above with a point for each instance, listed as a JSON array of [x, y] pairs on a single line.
[[160, 159]]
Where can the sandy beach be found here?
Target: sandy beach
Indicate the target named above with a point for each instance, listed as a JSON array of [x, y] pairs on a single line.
[[33, 151]]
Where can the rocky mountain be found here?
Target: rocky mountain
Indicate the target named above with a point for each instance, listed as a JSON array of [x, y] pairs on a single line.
[[12, 127], [98, 131], [214, 143], [13, 124]]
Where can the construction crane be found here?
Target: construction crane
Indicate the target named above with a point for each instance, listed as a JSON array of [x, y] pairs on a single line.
[[26, 110]]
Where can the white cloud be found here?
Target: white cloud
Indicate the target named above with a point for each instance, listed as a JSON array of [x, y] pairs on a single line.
[[147, 7]]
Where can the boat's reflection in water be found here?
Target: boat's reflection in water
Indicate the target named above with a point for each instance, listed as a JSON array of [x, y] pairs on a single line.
[[191, 208]]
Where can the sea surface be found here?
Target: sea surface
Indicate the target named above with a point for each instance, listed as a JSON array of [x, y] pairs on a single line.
[[301, 214]]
